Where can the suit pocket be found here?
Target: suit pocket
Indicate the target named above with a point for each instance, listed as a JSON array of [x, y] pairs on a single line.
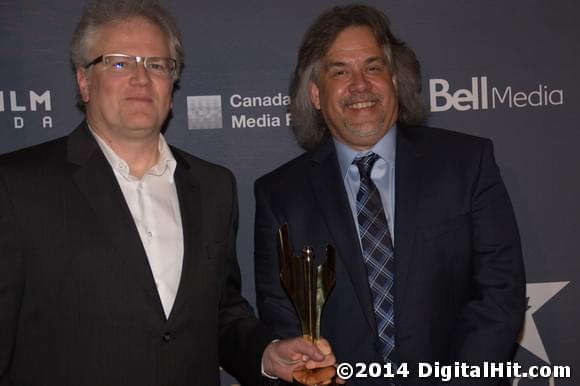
[[446, 226]]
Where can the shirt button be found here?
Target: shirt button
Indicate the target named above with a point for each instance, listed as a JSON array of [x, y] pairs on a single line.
[[149, 234], [167, 337]]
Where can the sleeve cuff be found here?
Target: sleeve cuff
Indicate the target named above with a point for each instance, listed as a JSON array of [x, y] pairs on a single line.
[[264, 373]]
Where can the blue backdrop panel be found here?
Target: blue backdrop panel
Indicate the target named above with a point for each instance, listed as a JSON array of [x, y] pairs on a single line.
[[503, 70]]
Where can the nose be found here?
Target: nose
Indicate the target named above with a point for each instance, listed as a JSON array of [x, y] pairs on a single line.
[[140, 75], [359, 82]]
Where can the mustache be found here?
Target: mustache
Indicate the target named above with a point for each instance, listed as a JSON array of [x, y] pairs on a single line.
[[362, 97]]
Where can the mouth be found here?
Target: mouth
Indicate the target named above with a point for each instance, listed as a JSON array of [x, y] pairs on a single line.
[[361, 101], [139, 99], [361, 105]]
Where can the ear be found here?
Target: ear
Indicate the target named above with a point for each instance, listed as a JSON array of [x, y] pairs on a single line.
[[83, 84], [314, 92]]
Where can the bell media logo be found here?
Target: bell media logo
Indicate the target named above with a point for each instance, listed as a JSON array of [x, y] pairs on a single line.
[[204, 112], [483, 96]]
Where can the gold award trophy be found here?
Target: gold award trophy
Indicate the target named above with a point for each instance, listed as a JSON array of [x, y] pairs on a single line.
[[308, 286]]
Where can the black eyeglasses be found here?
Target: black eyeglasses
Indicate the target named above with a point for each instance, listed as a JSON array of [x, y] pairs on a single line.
[[126, 64]]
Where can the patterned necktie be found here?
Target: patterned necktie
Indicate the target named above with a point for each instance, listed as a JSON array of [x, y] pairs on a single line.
[[378, 254]]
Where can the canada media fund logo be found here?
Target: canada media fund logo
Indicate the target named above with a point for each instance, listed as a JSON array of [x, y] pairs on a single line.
[[483, 96], [206, 112]]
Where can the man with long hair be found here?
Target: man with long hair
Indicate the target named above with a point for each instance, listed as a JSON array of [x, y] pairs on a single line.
[[429, 265]]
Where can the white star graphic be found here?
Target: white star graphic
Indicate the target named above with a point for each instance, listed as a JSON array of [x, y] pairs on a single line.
[[537, 294]]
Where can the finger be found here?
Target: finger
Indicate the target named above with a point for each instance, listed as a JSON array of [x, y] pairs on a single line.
[[293, 350], [307, 350], [329, 360], [324, 346]]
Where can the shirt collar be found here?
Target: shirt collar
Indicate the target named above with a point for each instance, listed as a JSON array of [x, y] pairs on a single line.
[[386, 148], [165, 163], [166, 159]]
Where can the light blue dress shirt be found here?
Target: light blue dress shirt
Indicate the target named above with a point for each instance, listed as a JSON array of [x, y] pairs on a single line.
[[382, 174]]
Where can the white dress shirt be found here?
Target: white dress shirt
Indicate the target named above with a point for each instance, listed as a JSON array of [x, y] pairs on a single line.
[[154, 206]]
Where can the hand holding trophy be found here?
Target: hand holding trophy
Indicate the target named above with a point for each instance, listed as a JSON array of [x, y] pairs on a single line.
[[308, 286]]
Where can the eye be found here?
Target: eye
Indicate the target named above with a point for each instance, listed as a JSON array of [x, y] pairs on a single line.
[[119, 63], [339, 73], [158, 66], [375, 68]]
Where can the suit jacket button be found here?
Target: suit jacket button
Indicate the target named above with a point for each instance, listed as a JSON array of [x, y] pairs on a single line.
[[167, 337]]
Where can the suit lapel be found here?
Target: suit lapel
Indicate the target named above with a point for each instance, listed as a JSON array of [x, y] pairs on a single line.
[[333, 202], [189, 196], [96, 181], [408, 174]]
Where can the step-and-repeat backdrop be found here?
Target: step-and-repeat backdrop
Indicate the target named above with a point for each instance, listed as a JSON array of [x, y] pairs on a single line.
[[506, 70]]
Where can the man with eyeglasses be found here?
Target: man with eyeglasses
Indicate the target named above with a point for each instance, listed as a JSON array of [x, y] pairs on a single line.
[[117, 251]]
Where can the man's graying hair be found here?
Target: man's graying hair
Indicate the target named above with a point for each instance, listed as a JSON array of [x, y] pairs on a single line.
[[100, 13], [307, 122]]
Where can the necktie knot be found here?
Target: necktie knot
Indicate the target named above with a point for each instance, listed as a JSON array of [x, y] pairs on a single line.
[[365, 165]]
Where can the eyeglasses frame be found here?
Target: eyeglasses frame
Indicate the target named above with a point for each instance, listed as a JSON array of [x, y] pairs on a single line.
[[137, 59]]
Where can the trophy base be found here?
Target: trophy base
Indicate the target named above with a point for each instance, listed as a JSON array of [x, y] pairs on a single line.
[[315, 377]]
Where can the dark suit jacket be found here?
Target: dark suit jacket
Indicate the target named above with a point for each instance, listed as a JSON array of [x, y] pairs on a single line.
[[78, 304], [459, 279]]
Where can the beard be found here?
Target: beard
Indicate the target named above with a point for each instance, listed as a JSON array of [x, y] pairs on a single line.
[[369, 128], [366, 129]]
